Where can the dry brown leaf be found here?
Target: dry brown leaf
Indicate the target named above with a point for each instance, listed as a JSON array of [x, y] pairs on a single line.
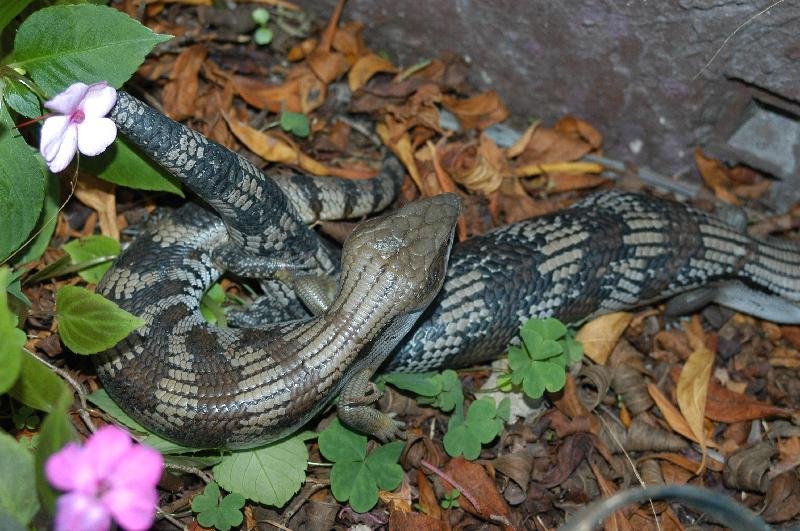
[[276, 148], [427, 497], [599, 336], [562, 182], [327, 66], [99, 195], [180, 92], [366, 67], [348, 40], [474, 477], [478, 167], [477, 112], [617, 521], [522, 141], [401, 147], [271, 97], [692, 389], [673, 416], [577, 128], [684, 462], [300, 51], [549, 146], [715, 175]]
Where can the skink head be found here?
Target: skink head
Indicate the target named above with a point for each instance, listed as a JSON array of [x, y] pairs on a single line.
[[401, 255]]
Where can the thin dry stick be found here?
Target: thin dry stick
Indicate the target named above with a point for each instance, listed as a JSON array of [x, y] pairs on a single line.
[[464, 492], [633, 466], [171, 519], [729, 37], [83, 411], [190, 470]]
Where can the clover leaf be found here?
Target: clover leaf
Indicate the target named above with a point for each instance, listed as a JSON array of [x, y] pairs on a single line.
[[443, 391], [539, 364], [356, 476], [295, 123], [218, 513], [484, 420]]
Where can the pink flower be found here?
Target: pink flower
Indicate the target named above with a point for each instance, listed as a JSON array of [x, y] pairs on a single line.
[[80, 125], [109, 477]]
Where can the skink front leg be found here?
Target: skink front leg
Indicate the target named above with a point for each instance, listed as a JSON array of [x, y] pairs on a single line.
[[356, 410]]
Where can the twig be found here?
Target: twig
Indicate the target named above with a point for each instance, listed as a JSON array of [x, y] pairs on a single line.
[[276, 524], [464, 492], [83, 411], [361, 128], [190, 470], [729, 37], [308, 490], [171, 519]]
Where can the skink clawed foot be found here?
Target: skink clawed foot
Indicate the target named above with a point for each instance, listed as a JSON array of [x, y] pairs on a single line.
[[356, 411]]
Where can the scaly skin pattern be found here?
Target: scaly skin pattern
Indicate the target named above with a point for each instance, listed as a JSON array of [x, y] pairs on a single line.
[[206, 386], [612, 251]]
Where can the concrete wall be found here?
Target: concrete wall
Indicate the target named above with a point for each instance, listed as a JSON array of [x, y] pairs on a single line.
[[628, 67]]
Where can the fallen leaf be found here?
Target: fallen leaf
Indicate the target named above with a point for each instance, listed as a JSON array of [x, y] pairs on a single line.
[[473, 476], [478, 167], [574, 449], [686, 463], [300, 51], [562, 182], [327, 66], [599, 336], [427, 497], [519, 146], [180, 92], [349, 41], [274, 98], [401, 147], [617, 520], [673, 416], [692, 389], [549, 146], [569, 168], [477, 112], [99, 195], [715, 175], [579, 129], [399, 520], [366, 67]]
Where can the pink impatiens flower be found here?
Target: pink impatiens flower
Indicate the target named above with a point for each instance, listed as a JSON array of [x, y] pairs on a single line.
[[79, 125], [109, 477]]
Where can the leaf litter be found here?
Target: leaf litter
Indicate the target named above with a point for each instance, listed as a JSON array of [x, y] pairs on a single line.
[[713, 404]]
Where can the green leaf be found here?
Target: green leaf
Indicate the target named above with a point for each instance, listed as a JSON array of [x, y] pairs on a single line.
[[573, 349], [56, 431], [17, 486], [62, 44], [209, 499], [423, 384], [539, 348], [90, 248], [46, 223], [39, 387], [338, 444], [211, 305], [213, 512], [126, 165], [260, 16], [352, 481], [466, 435], [452, 395], [270, 475], [382, 463], [263, 36], [89, 323], [21, 187], [10, 9], [543, 375], [21, 98], [101, 399], [295, 123], [549, 328], [12, 339]]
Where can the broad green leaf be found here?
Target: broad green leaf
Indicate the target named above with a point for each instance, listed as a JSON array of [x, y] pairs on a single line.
[[37, 386], [10, 9], [60, 45], [549, 328], [126, 165], [295, 123], [101, 399], [12, 339], [89, 323], [20, 98], [91, 247], [56, 431], [46, 223], [422, 384], [206, 500], [211, 305], [17, 481], [382, 462], [270, 475], [21, 187], [339, 444], [353, 482]]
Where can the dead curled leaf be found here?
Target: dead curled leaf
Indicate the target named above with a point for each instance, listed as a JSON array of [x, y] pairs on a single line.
[[481, 486], [366, 67], [99, 195], [599, 336], [673, 416], [180, 92], [477, 112], [692, 390]]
